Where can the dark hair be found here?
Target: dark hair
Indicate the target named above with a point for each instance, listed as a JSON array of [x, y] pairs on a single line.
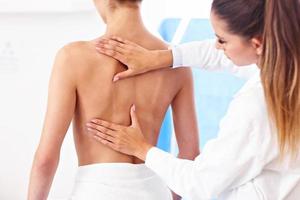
[[243, 17], [127, 3]]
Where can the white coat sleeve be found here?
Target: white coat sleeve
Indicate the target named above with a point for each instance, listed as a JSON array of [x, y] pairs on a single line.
[[204, 55], [235, 157]]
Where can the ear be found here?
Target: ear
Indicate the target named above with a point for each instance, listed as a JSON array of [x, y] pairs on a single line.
[[257, 45]]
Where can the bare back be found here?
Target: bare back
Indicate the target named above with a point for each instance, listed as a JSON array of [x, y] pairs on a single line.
[[97, 96]]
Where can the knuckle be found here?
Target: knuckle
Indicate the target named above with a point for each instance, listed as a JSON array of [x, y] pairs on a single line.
[[118, 142], [120, 147], [98, 128], [125, 59], [97, 121], [108, 125], [113, 53]]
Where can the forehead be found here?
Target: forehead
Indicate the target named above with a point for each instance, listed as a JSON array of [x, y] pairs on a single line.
[[219, 25]]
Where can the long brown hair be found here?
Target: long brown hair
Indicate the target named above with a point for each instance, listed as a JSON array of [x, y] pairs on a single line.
[[277, 22], [280, 71]]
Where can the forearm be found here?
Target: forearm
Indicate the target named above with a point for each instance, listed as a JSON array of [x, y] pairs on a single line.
[[180, 175], [142, 150], [41, 178], [203, 55]]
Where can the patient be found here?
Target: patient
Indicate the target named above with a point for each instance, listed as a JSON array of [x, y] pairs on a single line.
[[81, 88]]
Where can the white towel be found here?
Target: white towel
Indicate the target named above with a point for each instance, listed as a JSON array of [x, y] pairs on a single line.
[[118, 181]]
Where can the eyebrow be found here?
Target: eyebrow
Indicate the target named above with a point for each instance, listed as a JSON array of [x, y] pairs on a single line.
[[219, 37]]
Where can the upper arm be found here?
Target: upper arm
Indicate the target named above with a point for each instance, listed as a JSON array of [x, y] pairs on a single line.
[[184, 117], [60, 108]]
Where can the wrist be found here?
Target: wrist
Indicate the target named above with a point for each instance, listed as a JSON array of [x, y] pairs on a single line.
[[142, 152], [162, 58]]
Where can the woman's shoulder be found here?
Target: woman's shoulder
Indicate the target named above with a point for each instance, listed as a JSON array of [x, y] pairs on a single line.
[[250, 101]]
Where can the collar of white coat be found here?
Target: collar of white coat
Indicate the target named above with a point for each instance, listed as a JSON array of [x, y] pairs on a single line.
[[254, 80]]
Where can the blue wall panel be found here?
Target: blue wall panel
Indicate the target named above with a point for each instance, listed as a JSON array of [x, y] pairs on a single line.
[[213, 90]]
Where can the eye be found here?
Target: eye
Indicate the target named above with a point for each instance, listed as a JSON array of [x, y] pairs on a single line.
[[221, 41]]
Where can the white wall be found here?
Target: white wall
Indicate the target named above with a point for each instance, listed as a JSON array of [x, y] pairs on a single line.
[[31, 32], [28, 45]]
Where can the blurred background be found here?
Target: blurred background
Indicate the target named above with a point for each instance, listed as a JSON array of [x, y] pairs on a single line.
[[32, 31]]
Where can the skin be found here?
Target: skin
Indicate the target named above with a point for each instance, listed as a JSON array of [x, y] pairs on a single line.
[[238, 49], [130, 140], [81, 88]]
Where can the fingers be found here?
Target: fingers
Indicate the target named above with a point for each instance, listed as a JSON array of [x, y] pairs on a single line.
[[134, 120], [111, 46], [101, 129], [106, 142], [102, 135], [124, 74], [117, 44], [105, 136], [116, 55], [106, 124], [107, 52], [122, 41]]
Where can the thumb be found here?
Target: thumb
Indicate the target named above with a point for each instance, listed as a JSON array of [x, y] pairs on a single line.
[[134, 120], [123, 75]]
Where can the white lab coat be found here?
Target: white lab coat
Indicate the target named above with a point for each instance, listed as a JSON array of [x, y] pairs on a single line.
[[242, 163]]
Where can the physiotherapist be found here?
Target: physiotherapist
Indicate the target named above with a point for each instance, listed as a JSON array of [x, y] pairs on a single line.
[[256, 155]]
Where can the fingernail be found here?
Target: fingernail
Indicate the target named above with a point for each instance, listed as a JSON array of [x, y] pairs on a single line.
[[133, 107], [116, 78], [88, 124]]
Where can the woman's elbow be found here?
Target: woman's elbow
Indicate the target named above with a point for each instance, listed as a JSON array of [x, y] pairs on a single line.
[[45, 161]]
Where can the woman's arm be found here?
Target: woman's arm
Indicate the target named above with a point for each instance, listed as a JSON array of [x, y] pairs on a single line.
[[245, 145], [202, 54], [185, 119], [61, 104]]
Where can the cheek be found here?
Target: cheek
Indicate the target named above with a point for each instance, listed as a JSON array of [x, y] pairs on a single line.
[[241, 55]]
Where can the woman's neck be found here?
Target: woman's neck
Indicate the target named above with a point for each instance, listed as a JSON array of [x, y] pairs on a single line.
[[125, 22]]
